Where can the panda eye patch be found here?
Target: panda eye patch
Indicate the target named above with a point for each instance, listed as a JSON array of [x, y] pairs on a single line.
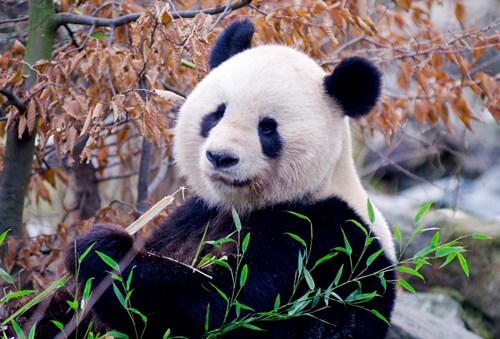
[[211, 120], [269, 137], [267, 126]]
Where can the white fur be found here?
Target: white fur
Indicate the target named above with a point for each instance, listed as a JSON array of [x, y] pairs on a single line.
[[315, 161]]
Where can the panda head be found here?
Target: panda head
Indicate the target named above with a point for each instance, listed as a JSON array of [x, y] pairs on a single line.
[[267, 125]]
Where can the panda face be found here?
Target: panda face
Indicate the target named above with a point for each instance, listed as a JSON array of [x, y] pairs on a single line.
[[259, 130]]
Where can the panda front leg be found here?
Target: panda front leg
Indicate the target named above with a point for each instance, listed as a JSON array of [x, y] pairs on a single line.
[[167, 293]]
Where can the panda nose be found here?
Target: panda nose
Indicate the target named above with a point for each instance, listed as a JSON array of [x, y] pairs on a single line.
[[222, 159]]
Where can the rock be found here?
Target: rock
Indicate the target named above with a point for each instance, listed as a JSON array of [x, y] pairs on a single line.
[[427, 315], [480, 292]]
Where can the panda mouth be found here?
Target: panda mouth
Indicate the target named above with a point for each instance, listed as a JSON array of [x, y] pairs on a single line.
[[228, 181]]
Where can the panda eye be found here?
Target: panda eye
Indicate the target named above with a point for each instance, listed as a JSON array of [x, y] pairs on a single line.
[[211, 120], [267, 126]]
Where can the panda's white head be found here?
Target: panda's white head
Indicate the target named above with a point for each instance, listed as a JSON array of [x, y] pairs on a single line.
[[268, 125]]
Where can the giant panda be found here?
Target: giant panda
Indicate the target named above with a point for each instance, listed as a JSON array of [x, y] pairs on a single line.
[[264, 139]]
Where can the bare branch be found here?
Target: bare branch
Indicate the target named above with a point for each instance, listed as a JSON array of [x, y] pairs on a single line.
[[65, 18], [13, 100], [12, 21]]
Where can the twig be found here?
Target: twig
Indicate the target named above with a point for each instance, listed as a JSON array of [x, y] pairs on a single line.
[[70, 32], [12, 21], [65, 18], [13, 100], [226, 11]]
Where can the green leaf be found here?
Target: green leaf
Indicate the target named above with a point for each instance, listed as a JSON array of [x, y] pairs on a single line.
[[98, 36], [218, 242], [120, 296], [422, 211], [3, 235], [325, 258], [58, 324], [73, 304], [135, 311], [479, 236], [167, 334], [116, 334], [424, 251], [374, 256], [351, 297], [435, 239], [243, 275], [277, 303], [17, 294], [444, 251], [6, 276], [410, 271], [309, 279], [18, 330], [245, 243], [365, 297], [236, 219], [383, 282], [407, 286], [222, 294], [449, 259], [86, 290], [207, 318], [357, 223], [32, 333], [251, 327], [371, 214], [380, 316], [397, 233], [339, 274], [243, 306], [316, 298], [129, 279], [84, 254], [301, 216], [108, 260], [297, 238], [300, 263], [463, 263], [347, 245], [221, 263]]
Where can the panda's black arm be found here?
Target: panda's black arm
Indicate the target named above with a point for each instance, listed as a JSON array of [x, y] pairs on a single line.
[[170, 294]]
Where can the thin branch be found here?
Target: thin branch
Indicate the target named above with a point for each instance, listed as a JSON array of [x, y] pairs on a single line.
[[13, 21], [71, 35], [13, 100], [65, 18], [226, 11]]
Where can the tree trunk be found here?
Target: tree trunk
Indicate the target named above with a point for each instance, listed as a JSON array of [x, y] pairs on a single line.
[[19, 153]]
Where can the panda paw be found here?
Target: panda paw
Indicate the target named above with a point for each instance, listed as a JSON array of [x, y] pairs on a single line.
[[109, 239]]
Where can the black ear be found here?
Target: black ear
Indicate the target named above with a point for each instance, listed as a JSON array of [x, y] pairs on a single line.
[[355, 84], [236, 38]]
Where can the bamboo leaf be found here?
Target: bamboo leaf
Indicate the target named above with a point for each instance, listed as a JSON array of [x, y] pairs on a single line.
[[17, 294], [207, 318], [108, 260], [120, 296], [463, 263], [116, 334], [243, 275], [435, 239], [380, 316], [84, 254], [422, 211], [87, 288], [222, 294], [339, 274], [244, 245], [374, 256], [19, 332], [347, 245], [297, 238], [236, 219], [397, 233], [309, 279], [410, 271], [277, 303], [407, 285], [3, 235], [479, 236], [357, 223], [371, 213], [301, 216], [6, 276]]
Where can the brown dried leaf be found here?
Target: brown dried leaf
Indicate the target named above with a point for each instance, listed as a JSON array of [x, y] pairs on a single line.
[[22, 126], [463, 111], [117, 105], [170, 96], [31, 116], [460, 13], [405, 74]]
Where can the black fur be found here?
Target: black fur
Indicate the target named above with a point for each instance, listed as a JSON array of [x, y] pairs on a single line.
[[173, 296], [269, 137], [236, 38], [355, 84], [211, 120]]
